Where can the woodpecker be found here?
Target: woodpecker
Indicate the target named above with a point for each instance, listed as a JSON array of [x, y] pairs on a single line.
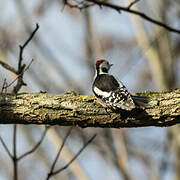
[[111, 92]]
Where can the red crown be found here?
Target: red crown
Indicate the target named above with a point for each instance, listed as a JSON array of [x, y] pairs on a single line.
[[98, 62]]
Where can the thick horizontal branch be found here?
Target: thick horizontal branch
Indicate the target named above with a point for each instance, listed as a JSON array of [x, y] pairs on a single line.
[[70, 109]]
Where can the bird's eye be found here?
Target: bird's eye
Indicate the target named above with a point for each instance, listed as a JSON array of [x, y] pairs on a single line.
[[104, 69]]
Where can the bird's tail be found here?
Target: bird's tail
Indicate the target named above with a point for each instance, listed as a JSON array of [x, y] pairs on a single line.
[[141, 101]]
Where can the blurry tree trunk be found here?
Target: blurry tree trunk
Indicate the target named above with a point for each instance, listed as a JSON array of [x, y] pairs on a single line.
[[160, 58]]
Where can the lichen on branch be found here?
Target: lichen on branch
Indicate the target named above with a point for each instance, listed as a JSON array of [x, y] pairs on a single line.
[[70, 109]]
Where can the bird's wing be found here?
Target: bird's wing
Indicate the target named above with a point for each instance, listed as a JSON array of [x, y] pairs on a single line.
[[106, 83]]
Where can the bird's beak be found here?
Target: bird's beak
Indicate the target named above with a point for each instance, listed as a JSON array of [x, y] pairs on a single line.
[[111, 65]]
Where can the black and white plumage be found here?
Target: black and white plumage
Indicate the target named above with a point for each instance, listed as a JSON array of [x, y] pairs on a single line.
[[111, 92]]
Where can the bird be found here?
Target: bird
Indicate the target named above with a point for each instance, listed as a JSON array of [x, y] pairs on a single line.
[[111, 92]]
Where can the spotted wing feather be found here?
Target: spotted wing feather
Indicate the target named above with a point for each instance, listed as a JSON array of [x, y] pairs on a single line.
[[113, 93], [120, 99]]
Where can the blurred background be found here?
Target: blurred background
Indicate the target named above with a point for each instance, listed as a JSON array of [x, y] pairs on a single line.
[[65, 48]]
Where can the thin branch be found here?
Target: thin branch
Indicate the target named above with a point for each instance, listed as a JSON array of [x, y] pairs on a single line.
[[75, 157], [21, 67], [58, 154], [14, 141], [132, 3], [23, 46], [4, 86], [66, 155], [36, 146], [44, 49], [20, 82], [8, 85], [6, 148], [129, 10], [15, 163], [8, 67]]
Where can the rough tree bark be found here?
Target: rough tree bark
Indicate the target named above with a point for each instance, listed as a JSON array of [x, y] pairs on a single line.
[[70, 109]]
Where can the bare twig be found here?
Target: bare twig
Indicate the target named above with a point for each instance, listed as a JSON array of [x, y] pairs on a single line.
[[15, 164], [20, 66], [44, 49], [58, 154], [20, 83], [8, 67], [36, 146], [132, 3], [75, 157], [129, 10], [8, 85], [66, 155], [5, 147], [4, 86]]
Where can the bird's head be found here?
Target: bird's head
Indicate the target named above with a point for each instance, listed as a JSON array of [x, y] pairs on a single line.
[[102, 66]]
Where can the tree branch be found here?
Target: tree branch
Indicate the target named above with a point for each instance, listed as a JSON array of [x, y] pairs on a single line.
[[36, 145], [58, 154], [8, 67], [126, 9], [70, 109], [22, 47], [132, 3], [5, 147], [75, 157], [21, 67]]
